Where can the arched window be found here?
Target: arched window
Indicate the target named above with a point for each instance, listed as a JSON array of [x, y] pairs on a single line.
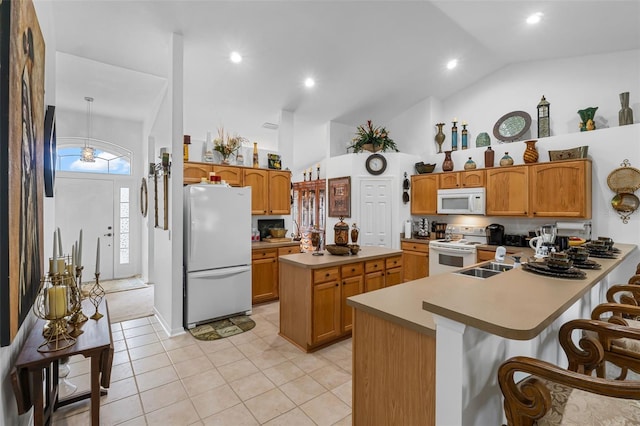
[[109, 158]]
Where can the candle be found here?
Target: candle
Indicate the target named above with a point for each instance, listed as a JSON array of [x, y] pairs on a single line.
[[455, 119], [80, 250], [98, 257], [464, 123], [54, 267], [73, 255], [57, 301], [60, 242], [165, 159]]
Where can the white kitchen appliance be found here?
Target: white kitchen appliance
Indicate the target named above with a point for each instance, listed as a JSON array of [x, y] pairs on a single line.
[[457, 250], [217, 252], [542, 244], [461, 201]]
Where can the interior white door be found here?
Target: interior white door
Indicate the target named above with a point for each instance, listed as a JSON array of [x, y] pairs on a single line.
[[87, 204], [375, 212]]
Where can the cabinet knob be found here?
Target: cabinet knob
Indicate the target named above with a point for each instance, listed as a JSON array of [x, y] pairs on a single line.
[[337, 284], [353, 269], [326, 275]]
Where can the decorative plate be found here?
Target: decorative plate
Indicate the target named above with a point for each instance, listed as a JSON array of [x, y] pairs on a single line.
[[587, 264], [624, 179], [543, 269]]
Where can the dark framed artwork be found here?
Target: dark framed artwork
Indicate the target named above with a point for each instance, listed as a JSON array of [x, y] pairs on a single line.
[[21, 163], [340, 197]]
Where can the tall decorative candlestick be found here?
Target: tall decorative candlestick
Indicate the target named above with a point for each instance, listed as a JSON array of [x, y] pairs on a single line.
[[454, 135], [464, 135], [304, 175], [97, 292], [318, 170]]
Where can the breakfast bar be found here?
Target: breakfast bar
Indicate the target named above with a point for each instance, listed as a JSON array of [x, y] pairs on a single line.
[[427, 351]]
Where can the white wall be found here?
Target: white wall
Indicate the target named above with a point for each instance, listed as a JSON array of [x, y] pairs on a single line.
[[569, 85]]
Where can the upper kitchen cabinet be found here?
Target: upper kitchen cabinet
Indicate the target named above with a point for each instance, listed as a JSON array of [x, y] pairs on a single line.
[[561, 189], [279, 192], [194, 172], [270, 191], [230, 174], [424, 189], [466, 179], [507, 191]]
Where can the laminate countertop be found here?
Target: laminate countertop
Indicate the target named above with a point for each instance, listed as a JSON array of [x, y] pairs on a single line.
[[267, 245], [516, 304], [308, 261]]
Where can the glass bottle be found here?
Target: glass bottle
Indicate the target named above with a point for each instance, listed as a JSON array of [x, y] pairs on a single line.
[[256, 163], [489, 156]]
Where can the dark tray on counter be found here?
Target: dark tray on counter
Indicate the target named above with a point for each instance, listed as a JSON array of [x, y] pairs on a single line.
[[544, 269]]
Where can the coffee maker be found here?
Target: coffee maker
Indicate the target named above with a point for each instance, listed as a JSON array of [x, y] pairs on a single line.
[[495, 234]]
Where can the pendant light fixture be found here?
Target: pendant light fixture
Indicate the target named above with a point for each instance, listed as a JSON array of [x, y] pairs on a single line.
[[88, 153]]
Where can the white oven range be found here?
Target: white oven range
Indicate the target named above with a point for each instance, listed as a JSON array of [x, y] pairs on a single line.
[[457, 250]]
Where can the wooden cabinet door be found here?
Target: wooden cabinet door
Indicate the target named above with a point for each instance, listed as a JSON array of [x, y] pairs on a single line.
[[415, 260], [393, 276], [449, 180], [230, 174], [325, 312], [264, 275], [483, 255], [424, 189], [350, 287], [507, 191], [561, 189], [374, 281], [258, 180], [194, 172], [279, 192], [472, 179]]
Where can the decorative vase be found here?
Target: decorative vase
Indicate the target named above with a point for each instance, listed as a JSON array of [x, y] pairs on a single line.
[[341, 233], [530, 153], [625, 116], [440, 137], [354, 234], [470, 164], [454, 136], [506, 160], [483, 139], [371, 147], [256, 162], [587, 115], [225, 160], [447, 165], [489, 156]]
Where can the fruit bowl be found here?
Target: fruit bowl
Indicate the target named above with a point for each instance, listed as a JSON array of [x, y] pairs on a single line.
[[277, 232]]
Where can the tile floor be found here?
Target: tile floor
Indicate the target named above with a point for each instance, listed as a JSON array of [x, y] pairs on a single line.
[[254, 378]]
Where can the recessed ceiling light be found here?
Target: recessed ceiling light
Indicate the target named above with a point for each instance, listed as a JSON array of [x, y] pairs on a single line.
[[309, 82], [235, 57], [535, 18], [452, 64]]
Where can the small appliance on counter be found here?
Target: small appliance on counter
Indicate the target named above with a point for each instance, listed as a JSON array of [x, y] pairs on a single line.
[[516, 240], [495, 234]]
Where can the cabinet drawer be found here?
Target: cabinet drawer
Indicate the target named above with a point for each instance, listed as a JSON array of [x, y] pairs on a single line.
[[406, 245], [393, 262], [263, 253], [324, 275], [288, 250], [352, 270], [374, 266]]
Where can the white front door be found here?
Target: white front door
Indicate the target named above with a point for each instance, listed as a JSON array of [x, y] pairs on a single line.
[[87, 203], [375, 212]]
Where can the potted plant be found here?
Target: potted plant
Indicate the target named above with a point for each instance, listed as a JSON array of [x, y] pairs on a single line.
[[226, 144], [372, 138]]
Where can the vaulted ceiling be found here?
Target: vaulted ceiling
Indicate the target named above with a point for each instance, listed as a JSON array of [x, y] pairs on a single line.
[[370, 59]]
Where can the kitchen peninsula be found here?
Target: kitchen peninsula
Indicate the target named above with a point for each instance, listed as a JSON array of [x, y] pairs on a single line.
[[400, 374], [314, 289]]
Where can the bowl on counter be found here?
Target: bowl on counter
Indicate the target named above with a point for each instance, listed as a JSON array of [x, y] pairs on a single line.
[[278, 232], [337, 250], [422, 168]]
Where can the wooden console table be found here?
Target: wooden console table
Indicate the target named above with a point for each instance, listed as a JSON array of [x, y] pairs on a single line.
[[36, 374]]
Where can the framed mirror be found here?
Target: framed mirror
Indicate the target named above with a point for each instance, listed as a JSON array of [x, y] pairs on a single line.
[[511, 126]]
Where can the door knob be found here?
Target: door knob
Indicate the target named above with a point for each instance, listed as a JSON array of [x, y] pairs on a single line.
[[107, 235]]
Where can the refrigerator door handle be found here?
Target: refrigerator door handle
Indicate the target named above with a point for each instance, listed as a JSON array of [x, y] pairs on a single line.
[[221, 272]]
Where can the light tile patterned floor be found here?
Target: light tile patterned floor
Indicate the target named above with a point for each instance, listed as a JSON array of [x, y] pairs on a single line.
[[252, 378]]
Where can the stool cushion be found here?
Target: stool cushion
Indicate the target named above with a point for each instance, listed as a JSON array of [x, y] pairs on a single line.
[[629, 344], [574, 407]]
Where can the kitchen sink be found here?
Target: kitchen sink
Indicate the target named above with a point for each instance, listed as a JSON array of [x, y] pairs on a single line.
[[485, 270], [478, 272], [494, 266]]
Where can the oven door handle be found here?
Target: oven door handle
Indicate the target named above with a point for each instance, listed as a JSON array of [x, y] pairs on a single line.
[[452, 250]]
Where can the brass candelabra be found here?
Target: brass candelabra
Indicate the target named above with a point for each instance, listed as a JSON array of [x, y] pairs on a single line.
[[96, 294]]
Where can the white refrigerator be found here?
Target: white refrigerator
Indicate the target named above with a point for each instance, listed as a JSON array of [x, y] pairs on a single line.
[[217, 252]]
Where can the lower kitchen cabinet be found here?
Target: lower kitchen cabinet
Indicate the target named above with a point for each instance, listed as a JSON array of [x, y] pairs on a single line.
[[415, 259], [313, 302], [264, 275]]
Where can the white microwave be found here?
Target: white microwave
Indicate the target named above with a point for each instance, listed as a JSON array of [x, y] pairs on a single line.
[[461, 201]]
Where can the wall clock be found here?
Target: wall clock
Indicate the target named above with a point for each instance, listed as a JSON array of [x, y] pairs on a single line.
[[376, 164]]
